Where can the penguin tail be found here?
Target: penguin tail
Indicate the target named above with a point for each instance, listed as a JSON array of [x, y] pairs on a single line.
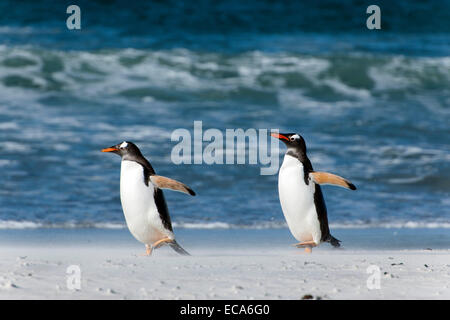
[[333, 241], [177, 248]]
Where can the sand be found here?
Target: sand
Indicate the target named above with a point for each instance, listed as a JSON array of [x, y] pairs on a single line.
[[35, 265]]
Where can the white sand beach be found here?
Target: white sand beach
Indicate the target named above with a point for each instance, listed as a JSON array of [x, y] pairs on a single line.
[[223, 265]]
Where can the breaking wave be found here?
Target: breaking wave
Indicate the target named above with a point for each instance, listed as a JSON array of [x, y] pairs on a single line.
[[285, 79]]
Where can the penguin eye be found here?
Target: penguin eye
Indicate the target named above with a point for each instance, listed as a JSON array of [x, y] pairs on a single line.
[[292, 138], [123, 145]]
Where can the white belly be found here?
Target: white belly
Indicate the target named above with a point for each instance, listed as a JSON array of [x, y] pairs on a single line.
[[297, 201], [138, 205]]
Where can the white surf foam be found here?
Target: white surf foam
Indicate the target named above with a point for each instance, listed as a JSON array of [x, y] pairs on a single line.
[[11, 224]]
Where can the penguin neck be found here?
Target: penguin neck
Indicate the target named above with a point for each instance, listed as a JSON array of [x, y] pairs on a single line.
[[139, 158], [303, 158], [146, 166]]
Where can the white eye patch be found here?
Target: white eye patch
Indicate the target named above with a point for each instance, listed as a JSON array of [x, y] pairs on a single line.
[[124, 144], [295, 136]]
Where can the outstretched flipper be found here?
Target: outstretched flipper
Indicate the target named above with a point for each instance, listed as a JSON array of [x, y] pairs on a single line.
[[167, 183], [329, 178]]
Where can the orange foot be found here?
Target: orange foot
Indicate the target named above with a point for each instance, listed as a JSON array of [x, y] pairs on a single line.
[[148, 251], [308, 245], [149, 248], [159, 243]]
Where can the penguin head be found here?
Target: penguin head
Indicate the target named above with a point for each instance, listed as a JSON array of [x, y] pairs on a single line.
[[291, 140], [124, 149]]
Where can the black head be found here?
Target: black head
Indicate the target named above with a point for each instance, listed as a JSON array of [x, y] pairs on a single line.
[[127, 150], [293, 141]]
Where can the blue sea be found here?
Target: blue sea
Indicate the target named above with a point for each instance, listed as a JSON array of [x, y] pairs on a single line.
[[372, 105]]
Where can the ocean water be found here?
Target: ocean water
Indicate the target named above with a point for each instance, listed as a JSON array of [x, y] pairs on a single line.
[[373, 106]]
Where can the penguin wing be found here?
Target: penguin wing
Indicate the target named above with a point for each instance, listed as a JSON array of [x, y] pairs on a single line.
[[329, 178], [167, 183]]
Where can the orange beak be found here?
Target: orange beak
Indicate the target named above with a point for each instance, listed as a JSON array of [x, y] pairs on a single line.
[[109, 149], [279, 136]]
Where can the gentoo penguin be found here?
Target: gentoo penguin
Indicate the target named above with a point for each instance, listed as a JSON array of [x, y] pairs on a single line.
[[143, 201], [301, 197]]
